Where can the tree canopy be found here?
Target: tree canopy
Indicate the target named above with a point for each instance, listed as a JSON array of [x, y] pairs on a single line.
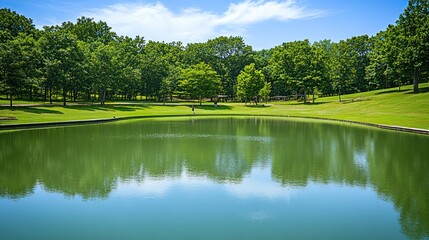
[[249, 83], [87, 61]]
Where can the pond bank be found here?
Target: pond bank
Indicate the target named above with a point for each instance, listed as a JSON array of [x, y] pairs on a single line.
[[97, 121]]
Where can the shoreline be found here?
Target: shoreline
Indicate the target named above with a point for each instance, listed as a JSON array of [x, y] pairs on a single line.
[[107, 120]]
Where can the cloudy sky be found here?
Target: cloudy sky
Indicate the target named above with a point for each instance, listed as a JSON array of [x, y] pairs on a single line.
[[262, 23]]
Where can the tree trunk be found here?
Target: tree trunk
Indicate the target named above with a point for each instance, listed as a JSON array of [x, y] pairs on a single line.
[[10, 98], [416, 81], [339, 95], [305, 96], [64, 96], [46, 94], [104, 96], [313, 95], [31, 93], [50, 95]]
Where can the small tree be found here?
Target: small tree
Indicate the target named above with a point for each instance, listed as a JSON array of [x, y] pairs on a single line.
[[249, 83], [200, 81], [265, 91]]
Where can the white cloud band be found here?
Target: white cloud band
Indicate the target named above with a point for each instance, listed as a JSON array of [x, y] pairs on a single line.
[[156, 22]]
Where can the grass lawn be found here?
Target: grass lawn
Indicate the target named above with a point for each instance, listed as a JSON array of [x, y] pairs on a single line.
[[386, 106]]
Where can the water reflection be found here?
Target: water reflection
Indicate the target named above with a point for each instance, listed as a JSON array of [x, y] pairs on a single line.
[[251, 158]]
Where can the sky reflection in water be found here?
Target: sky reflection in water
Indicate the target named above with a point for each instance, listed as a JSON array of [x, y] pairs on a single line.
[[247, 178]]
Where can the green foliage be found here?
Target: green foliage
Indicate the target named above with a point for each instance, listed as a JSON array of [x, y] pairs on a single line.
[[200, 81], [299, 66], [170, 84], [226, 55], [250, 82], [62, 58], [265, 91], [12, 24], [380, 107], [86, 59], [413, 29]]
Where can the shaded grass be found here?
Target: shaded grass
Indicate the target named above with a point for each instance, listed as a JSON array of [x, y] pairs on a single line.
[[388, 106]]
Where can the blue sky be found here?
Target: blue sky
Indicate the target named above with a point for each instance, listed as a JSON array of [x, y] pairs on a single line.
[[262, 23]]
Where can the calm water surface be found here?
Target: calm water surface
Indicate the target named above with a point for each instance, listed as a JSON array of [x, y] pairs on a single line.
[[250, 178]]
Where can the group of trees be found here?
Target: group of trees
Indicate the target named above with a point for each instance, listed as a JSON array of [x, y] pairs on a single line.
[[87, 61]]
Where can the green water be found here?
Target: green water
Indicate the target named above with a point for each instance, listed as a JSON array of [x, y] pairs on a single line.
[[226, 178]]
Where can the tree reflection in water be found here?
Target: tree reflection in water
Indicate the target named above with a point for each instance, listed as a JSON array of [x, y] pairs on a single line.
[[90, 161]]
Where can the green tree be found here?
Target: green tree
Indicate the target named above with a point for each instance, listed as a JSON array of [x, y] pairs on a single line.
[[325, 52], [12, 67], [62, 58], [12, 24], [385, 68], [89, 31], [18, 53], [170, 84], [200, 81], [226, 55], [105, 66], [265, 91], [297, 66], [129, 76], [154, 66], [250, 82], [230, 56], [413, 26]]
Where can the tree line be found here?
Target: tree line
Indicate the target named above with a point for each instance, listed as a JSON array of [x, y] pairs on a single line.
[[87, 61]]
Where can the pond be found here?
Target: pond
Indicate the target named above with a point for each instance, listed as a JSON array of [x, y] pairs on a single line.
[[214, 178]]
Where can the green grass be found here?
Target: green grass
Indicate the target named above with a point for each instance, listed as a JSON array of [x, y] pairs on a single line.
[[386, 106]]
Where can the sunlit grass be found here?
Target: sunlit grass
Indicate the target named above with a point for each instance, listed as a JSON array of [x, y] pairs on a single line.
[[387, 106]]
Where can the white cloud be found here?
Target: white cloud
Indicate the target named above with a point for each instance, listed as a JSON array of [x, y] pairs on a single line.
[[156, 22], [260, 185], [256, 185]]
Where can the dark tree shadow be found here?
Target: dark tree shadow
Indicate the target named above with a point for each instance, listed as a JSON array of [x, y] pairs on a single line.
[[35, 110], [258, 106], [212, 107], [392, 91], [122, 108], [421, 90], [308, 103], [355, 100]]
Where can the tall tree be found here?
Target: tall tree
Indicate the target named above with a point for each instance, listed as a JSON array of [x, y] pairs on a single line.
[[17, 52], [230, 56], [153, 67], [326, 53], [12, 24], [128, 51], [200, 81], [62, 57], [386, 68], [297, 66], [105, 65], [12, 74], [413, 27], [249, 84]]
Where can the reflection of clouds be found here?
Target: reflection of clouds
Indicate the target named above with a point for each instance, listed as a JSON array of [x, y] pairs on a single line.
[[258, 216], [169, 136], [159, 187], [361, 160], [257, 185]]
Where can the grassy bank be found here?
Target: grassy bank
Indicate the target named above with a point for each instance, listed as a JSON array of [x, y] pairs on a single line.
[[388, 106]]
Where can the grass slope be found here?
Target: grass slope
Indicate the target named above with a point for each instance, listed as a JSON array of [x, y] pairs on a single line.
[[386, 106]]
